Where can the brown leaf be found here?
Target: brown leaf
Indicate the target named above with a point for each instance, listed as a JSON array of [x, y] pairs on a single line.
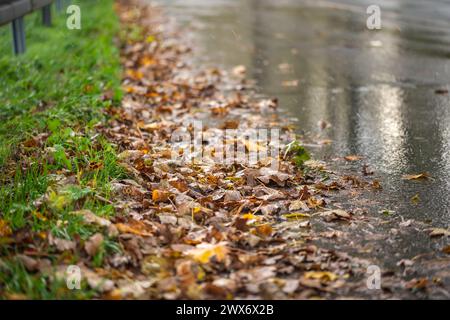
[[353, 158], [418, 176], [439, 232], [264, 230], [91, 217], [298, 205], [5, 230], [93, 244], [160, 195], [134, 227], [323, 276], [29, 263], [232, 195], [62, 244], [336, 214]]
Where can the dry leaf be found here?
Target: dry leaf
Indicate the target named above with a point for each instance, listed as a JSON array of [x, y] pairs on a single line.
[[160, 195], [264, 230], [324, 276], [91, 217], [204, 252], [93, 244], [239, 70], [296, 215], [336, 214], [353, 158], [439, 232], [5, 230], [134, 227], [290, 83], [419, 176], [62, 244]]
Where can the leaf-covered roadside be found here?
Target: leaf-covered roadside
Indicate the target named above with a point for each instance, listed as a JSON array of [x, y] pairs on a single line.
[[52, 160], [140, 223]]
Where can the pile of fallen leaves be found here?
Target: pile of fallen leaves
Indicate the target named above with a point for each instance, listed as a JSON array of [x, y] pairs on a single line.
[[202, 229]]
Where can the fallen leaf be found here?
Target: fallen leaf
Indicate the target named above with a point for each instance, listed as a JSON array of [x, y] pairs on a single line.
[[5, 229], [336, 214], [160, 195], [290, 83], [418, 176], [417, 284], [298, 205], [29, 263], [353, 158], [441, 91], [62, 244], [239, 70], [168, 219], [91, 217], [439, 232], [415, 199], [93, 244], [324, 276], [135, 227], [204, 252], [264, 230], [232, 195], [296, 215]]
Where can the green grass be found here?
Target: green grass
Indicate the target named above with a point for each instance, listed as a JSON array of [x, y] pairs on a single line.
[[20, 284], [62, 76], [57, 88]]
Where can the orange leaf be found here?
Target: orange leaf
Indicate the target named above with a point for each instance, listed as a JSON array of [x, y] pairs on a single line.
[[160, 195], [136, 227], [5, 230]]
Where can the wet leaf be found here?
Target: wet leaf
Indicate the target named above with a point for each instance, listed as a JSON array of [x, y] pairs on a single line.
[[439, 232], [336, 214], [5, 230], [353, 158], [420, 176]]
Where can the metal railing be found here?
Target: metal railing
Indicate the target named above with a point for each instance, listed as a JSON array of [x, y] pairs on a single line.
[[13, 11]]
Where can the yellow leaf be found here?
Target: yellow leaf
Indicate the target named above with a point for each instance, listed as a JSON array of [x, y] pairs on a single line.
[[253, 147], [5, 230], [249, 216], [160, 195], [296, 215], [264, 230], [204, 252], [321, 275], [135, 74]]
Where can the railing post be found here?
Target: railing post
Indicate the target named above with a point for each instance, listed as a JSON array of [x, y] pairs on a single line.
[[47, 15], [59, 5], [18, 31]]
